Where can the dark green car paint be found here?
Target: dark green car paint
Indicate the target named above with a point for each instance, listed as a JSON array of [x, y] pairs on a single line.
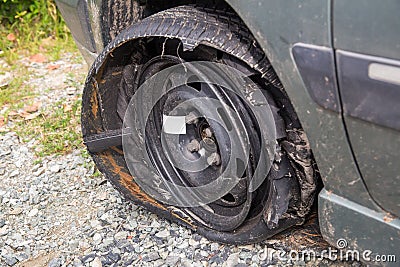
[[346, 208], [367, 26], [376, 148], [344, 191], [324, 128], [75, 10]]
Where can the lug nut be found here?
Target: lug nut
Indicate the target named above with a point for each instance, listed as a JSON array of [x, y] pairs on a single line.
[[193, 146], [207, 132], [214, 159], [191, 118], [209, 141]]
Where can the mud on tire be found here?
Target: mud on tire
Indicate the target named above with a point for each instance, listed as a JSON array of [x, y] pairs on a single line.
[[193, 33]]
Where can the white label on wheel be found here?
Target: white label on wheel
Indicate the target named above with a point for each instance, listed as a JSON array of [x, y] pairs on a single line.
[[174, 124]]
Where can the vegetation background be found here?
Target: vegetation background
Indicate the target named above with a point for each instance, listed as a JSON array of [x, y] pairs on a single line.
[[26, 23], [34, 35]]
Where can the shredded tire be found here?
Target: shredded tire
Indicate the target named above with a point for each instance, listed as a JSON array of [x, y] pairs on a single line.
[[104, 106]]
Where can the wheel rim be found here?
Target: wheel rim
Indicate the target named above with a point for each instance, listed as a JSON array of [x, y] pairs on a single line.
[[102, 131], [205, 139]]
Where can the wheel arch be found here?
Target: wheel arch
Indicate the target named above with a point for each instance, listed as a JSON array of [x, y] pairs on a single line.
[[147, 8], [114, 55], [116, 15]]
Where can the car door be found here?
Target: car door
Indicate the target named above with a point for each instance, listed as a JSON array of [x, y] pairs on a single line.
[[367, 44]]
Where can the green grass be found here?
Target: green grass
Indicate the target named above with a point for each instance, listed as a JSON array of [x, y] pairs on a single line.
[[32, 26], [29, 27], [17, 90], [56, 129]]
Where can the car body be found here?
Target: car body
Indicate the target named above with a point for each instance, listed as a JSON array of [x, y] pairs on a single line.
[[339, 62]]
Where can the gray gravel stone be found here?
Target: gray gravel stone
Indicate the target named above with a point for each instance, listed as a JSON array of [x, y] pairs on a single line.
[[172, 260], [111, 258], [10, 260], [193, 243], [97, 238], [121, 235], [183, 245], [88, 258], [232, 260], [33, 212], [4, 230], [214, 246], [14, 173], [56, 262], [152, 256], [96, 262], [163, 234], [77, 263]]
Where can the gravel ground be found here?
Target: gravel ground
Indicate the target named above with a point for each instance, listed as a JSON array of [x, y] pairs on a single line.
[[56, 212]]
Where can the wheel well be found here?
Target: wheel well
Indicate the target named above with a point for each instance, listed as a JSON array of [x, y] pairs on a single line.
[[122, 59], [119, 14], [154, 6]]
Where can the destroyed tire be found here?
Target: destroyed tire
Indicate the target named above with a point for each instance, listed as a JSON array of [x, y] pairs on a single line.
[[189, 34]]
